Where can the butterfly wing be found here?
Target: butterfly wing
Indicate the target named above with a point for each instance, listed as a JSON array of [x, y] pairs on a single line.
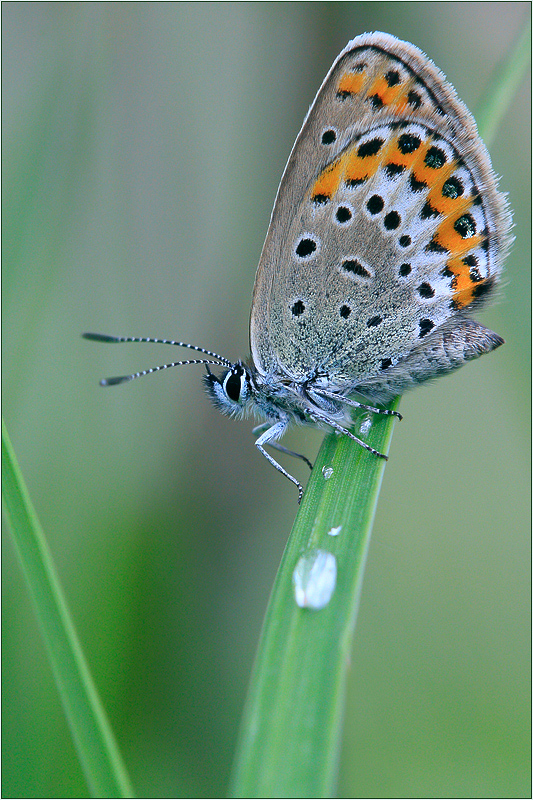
[[387, 221]]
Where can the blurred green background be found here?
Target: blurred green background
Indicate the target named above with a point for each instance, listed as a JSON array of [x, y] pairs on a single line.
[[143, 144]]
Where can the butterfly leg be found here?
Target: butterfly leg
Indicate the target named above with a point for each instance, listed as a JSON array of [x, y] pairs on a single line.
[[335, 425], [269, 437], [279, 447], [355, 404]]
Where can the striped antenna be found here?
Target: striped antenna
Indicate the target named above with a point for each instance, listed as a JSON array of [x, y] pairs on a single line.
[[102, 337]]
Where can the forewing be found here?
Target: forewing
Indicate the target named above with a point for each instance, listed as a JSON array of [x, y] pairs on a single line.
[[386, 223]]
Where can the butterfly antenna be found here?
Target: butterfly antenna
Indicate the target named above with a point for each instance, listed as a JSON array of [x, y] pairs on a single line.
[[102, 337]]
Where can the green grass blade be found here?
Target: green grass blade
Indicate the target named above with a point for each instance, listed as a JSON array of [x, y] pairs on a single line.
[[500, 92], [94, 741], [291, 730]]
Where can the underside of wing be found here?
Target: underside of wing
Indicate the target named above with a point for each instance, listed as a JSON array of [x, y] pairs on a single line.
[[387, 221]]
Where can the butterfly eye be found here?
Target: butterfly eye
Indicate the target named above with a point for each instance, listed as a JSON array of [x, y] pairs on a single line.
[[233, 384]]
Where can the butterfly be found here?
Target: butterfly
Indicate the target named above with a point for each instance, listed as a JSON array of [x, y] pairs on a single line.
[[387, 231]]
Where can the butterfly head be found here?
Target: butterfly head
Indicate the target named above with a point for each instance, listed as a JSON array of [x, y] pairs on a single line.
[[232, 392]]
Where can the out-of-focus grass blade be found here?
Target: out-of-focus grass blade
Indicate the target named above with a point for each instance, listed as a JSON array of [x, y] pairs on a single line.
[[95, 744], [500, 92]]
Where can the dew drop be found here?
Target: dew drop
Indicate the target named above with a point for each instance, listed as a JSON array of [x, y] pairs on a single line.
[[314, 579], [365, 425], [327, 472]]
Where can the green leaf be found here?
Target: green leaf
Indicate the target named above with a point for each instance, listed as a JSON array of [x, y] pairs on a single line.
[[93, 738], [291, 731]]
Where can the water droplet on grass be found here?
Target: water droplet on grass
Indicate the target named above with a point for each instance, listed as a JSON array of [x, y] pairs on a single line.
[[314, 579]]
